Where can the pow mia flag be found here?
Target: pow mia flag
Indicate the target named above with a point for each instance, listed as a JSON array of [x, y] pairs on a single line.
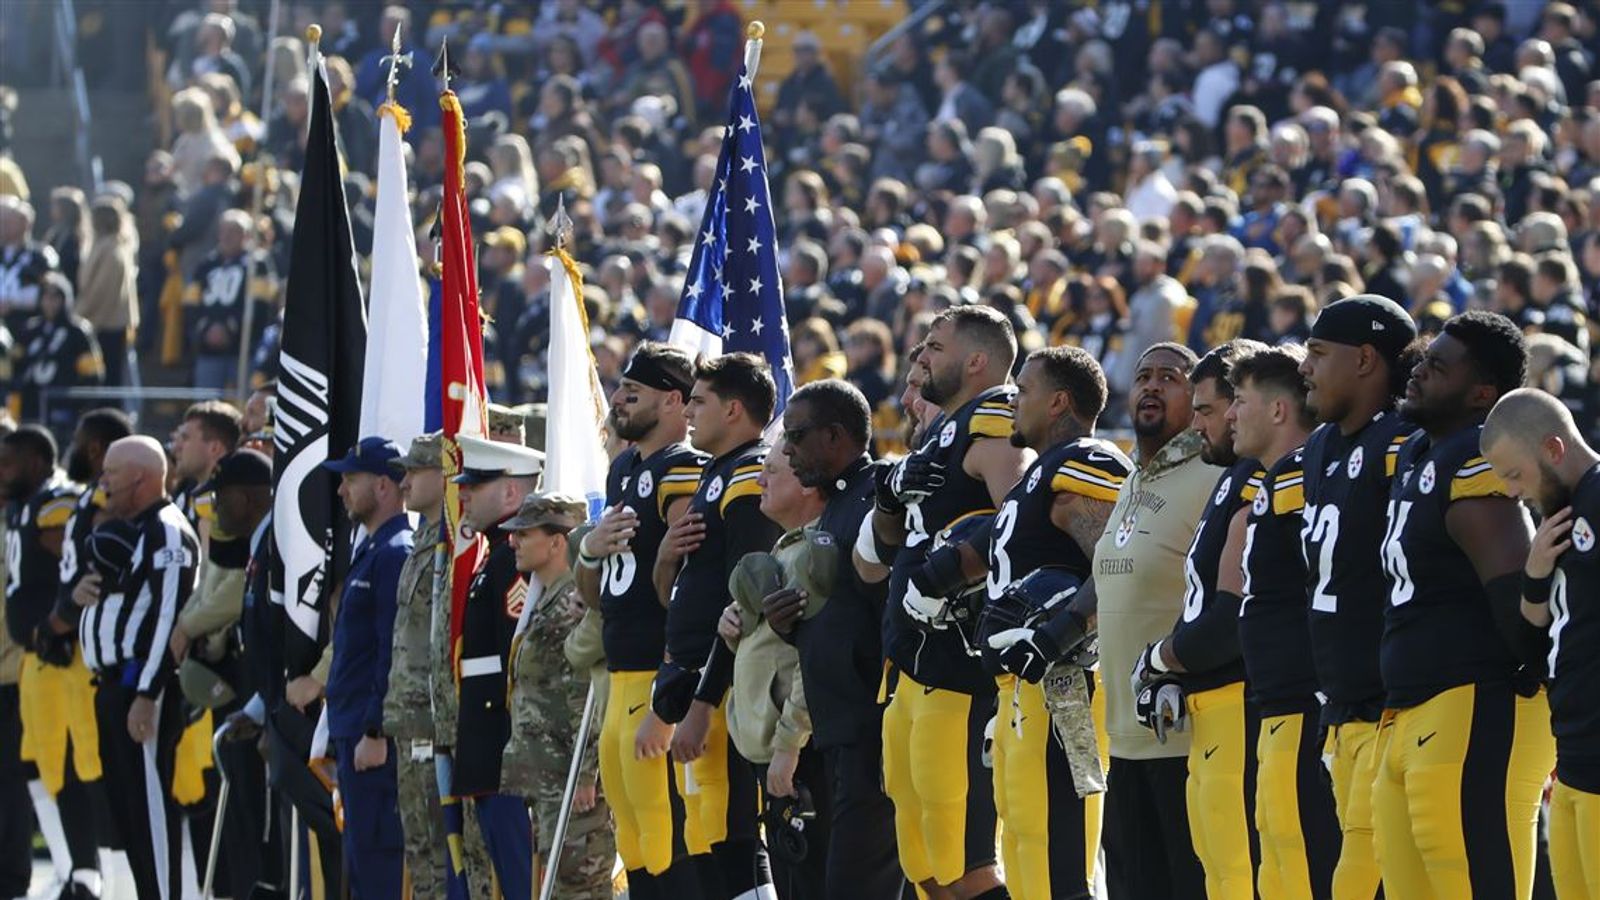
[[319, 392]]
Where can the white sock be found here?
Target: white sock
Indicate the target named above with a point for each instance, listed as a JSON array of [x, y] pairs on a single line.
[[55, 837], [90, 879]]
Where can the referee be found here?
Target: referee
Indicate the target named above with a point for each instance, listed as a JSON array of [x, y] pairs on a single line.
[[144, 563]]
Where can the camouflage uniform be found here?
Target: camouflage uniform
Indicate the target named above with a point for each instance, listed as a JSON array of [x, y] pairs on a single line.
[[547, 700]]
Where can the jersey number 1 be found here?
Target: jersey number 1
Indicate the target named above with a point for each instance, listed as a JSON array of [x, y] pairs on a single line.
[[1394, 554]]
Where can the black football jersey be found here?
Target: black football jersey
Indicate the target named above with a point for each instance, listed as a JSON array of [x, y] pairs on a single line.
[[1438, 630], [633, 620], [1024, 537], [729, 501], [1347, 479], [1273, 635], [1574, 637], [1237, 487], [33, 572], [940, 659]]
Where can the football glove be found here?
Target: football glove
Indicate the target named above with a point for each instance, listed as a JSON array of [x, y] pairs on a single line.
[[910, 480], [1147, 668], [1160, 707], [927, 612], [1025, 652], [940, 575]]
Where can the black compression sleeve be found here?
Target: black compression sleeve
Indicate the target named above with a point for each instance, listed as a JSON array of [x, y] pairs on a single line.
[[1528, 643], [1211, 641]]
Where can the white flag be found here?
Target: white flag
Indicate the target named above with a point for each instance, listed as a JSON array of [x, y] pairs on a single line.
[[575, 459], [396, 371]]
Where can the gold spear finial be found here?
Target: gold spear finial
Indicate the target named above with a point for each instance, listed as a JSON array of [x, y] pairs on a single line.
[[313, 34], [756, 30]]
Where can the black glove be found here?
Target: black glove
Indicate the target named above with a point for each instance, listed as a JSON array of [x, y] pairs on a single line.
[[54, 649], [908, 481], [1025, 652], [939, 574]]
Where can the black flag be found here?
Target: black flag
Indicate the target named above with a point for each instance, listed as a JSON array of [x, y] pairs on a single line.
[[319, 391]]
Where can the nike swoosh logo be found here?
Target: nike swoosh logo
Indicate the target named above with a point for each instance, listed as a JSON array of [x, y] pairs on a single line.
[[634, 709], [1027, 660], [1274, 729], [1427, 738], [1097, 456], [1212, 750], [927, 690]]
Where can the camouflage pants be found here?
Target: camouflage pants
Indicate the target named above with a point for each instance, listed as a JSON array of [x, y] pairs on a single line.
[[422, 821], [588, 851]]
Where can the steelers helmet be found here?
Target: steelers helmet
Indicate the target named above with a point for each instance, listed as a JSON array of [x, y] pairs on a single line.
[[961, 609], [1029, 600], [111, 549]]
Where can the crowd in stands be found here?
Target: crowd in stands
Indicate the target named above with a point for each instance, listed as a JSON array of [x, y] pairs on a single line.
[[1107, 174]]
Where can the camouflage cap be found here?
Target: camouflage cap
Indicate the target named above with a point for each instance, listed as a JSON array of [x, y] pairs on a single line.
[[549, 509], [754, 577], [505, 421], [426, 452], [813, 564]]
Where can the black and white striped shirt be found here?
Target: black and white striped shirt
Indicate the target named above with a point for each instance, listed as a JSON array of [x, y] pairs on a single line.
[[126, 633]]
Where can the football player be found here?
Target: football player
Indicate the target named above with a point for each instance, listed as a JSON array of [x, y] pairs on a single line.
[[730, 404], [1464, 745], [1294, 816], [944, 808], [1203, 648], [1356, 366], [647, 488], [1536, 450]]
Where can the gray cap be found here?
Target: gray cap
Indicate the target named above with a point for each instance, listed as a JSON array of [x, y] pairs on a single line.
[[755, 576]]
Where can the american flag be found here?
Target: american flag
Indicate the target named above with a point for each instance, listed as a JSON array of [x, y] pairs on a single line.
[[733, 298]]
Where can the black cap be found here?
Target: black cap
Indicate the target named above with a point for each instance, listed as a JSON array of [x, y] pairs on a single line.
[[1367, 319], [243, 468]]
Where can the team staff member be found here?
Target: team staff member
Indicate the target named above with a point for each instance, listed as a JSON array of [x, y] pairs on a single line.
[[547, 700], [131, 600], [55, 690], [1052, 517], [1536, 449], [494, 479], [1133, 597], [1355, 368], [827, 428], [647, 488], [730, 404], [1465, 745], [942, 699], [363, 644], [1294, 815], [1203, 648]]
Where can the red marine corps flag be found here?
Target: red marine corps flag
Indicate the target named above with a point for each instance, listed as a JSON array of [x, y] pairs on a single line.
[[461, 357]]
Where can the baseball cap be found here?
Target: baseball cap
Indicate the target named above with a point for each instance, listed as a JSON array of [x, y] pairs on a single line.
[[550, 509], [242, 468], [372, 455], [426, 452], [1366, 319]]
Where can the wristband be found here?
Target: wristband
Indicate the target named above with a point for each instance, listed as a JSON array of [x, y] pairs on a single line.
[[866, 543], [587, 561], [1157, 664], [1537, 590]]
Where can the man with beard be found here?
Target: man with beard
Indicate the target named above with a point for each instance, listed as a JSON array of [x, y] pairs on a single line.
[[209, 431], [730, 404], [1047, 800], [942, 700], [1464, 746], [647, 489], [1200, 659], [55, 690], [827, 429], [1536, 449], [1138, 577], [1356, 366]]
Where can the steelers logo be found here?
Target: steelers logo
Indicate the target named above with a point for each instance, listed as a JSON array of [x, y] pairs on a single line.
[[1222, 491], [1125, 530], [1582, 535], [1033, 480], [646, 483], [714, 490], [1260, 506], [1426, 479], [1353, 468], [947, 435]]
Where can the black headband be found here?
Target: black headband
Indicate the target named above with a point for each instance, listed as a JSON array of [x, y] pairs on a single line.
[[651, 373]]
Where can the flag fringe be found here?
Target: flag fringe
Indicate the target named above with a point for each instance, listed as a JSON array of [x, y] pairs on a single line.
[[449, 104], [402, 118]]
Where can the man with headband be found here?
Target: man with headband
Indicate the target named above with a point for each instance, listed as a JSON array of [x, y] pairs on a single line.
[[1355, 369], [647, 489]]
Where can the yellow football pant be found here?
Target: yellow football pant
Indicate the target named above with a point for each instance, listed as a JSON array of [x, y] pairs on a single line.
[[1575, 843], [1219, 818], [1459, 781], [706, 789], [56, 705], [1353, 747], [1045, 827], [944, 813], [643, 793], [1299, 831]]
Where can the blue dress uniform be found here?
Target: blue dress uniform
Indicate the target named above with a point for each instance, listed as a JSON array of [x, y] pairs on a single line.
[[363, 638]]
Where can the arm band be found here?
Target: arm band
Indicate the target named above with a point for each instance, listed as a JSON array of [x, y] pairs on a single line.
[[1537, 590]]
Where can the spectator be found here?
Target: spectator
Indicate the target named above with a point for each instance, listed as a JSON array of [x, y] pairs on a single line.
[[483, 91], [805, 289], [810, 82], [959, 100], [1150, 193], [949, 165], [658, 73], [354, 118], [816, 351], [870, 358], [23, 263], [68, 233], [1217, 78], [1100, 329], [108, 300], [212, 53], [1555, 294], [893, 124], [574, 20], [564, 112], [54, 350], [416, 91], [1385, 271], [996, 52], [199, 140], [239, 125], [1292, 312], [196, 231], [1152, 314], [711, 44], [234, 274]]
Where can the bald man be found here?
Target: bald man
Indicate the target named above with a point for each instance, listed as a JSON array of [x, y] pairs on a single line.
[[142, 569], [1536, 449]]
